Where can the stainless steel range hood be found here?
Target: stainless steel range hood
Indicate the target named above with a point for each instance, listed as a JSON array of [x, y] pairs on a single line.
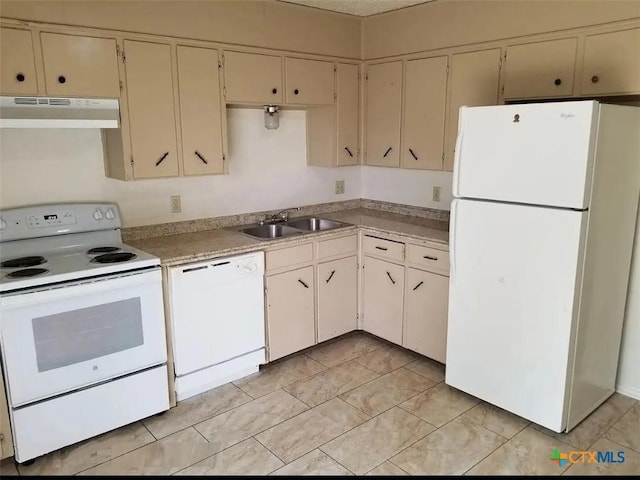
[[40, 112]]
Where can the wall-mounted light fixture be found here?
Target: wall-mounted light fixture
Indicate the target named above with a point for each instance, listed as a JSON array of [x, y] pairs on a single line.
[[271, 117]]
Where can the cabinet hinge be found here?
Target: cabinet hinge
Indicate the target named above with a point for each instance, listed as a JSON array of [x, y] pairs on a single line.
[[224, 158], [505, 55], [502, 90], [224, 92], [335, 69], [124, 57], [131, 160], [335, 96], [359, 77], [366, 77], [219, 65], [121, 86]]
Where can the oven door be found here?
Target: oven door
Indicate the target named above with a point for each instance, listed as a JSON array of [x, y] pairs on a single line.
[[65, 337]]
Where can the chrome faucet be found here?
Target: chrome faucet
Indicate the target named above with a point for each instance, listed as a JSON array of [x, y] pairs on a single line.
[[283, 215]]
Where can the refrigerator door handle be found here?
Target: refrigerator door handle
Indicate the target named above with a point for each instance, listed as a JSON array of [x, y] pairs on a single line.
[[452, 240], [458, 151]]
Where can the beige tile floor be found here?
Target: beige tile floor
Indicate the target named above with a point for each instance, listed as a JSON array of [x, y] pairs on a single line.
[[355, 405]]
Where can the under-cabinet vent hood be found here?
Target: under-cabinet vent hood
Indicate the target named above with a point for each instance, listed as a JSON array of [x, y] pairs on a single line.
[[39, 112]]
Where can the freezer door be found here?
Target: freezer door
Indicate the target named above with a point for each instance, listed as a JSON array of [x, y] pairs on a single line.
[[538, 154], [513, 304]]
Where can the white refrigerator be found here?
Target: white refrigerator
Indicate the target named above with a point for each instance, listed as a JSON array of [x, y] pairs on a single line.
[[542, 227]]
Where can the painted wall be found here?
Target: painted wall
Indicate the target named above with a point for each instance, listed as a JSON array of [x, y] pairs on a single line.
[[267, 170]]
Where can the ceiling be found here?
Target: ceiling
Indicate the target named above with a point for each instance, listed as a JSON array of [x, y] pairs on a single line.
[[361, 8]]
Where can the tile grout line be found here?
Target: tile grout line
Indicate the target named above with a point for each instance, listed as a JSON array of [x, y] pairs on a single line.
[[284, 464], [147, 429]]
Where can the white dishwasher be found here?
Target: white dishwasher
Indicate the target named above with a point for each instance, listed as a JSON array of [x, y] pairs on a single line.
[[217, 321]]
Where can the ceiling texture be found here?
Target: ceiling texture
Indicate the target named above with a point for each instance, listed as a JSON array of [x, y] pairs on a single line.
[[361, 8]]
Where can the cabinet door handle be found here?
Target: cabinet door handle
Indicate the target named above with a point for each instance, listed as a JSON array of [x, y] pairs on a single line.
[[274, 91], [204, 160], [166, 154], [557, 81], [382, 248], [296, 91], [330, 276], [415, 157], [387, 152], [20, 77], [348, 151], [303, 284], [391, 278], [595, 79], [418, 285], [428, 257], [62, 79]]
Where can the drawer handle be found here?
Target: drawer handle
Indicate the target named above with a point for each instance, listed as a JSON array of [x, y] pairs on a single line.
[[220, 264], [435, 259], [330, 276], [166, 154], [303, 284], [348, 151], [415, 157], [204, 160], [195, 269], [387, 152], [382, 248], [391, 278], [418, 285]]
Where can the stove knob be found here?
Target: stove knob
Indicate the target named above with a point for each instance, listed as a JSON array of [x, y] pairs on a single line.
[[3, 224], [97, 214], [109, 214]]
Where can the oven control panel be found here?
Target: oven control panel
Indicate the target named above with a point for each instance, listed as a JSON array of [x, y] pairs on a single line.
[[56, 219], [51, 219]]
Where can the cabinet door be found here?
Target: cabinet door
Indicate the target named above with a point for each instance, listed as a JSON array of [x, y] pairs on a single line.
[[6, 439], [151, 110], [424, 108], [290, 312], [384, 100], [80, 66], [337, 297], [17, 64], [348, 103], [252, 78], [425, 314], [309, 82], [383, 285], [474, 80], [611, 63], [200, 111], [542, 69]]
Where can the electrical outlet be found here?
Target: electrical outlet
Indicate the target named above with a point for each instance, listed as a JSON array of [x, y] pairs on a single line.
[[339, 187], [436, 194], [176, 206]]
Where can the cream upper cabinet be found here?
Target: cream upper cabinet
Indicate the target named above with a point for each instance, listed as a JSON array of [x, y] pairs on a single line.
[[201, 111], [80, 66], [383, 289], [474, 80], [424, 109], [151, 109], [309, 82], [337, 297], [17, 63], [425, 314], [332, 131], [252, 78], [290, 312], [611, 63], [541, 69], [384, 102]]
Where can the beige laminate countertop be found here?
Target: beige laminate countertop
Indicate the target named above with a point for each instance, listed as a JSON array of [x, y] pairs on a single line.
[[189, 247]]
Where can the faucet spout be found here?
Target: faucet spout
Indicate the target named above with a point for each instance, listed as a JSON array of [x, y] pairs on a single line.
[[283, 215]]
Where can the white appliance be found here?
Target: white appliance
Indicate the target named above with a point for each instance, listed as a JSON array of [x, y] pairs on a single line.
[[82, 330], [542, 228], [40, 112], [217, 321]]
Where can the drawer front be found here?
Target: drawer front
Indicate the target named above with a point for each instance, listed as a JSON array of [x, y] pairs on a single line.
[[429, 258], [383, 248], [286, 257], [337, 246]]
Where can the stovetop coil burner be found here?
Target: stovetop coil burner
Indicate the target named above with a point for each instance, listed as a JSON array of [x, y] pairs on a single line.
[[23, 262], [27, 272], [103, 250], [114, 257]]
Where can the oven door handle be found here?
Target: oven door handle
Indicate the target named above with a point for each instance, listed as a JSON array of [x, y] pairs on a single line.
[[81, 287]]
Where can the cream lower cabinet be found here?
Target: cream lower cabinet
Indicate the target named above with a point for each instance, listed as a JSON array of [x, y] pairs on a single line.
[[383, 291], [290, 312], [425, 314], [6, 439], [337, 282]]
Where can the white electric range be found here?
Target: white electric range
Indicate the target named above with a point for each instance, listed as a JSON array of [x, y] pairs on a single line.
[[82, 329]]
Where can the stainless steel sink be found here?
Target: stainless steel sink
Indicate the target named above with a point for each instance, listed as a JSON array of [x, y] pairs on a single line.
[[271, 231], [314, 224]]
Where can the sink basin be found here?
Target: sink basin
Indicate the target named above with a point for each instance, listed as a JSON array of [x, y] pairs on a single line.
[[271, 231], [314, 224]]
